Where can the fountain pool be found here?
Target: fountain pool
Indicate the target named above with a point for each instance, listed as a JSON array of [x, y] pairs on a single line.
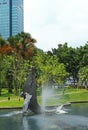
[[75, 118]]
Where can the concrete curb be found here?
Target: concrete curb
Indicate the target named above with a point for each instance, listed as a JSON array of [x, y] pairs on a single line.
[[78, 102], [67, 104], [3, 108]]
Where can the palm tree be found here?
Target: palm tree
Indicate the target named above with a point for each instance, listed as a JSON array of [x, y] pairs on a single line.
[[23, 49]]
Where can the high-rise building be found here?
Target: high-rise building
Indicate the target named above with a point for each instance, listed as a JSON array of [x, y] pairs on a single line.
[[11, 17]]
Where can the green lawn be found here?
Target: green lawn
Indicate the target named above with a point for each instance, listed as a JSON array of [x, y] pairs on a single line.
[[70, 95], [57, 98], [15, 101]]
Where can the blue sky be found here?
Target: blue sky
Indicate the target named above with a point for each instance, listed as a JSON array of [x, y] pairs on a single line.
[[53, 22]]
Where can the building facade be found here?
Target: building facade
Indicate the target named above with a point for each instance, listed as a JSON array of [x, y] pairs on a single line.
[[11, 17]]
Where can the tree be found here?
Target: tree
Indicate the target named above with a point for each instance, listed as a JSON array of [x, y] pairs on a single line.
[[24, 47], [68, 56], [23, 44], [17, 52], [49, 70], [82, 53], [83, 76], [5, 49]]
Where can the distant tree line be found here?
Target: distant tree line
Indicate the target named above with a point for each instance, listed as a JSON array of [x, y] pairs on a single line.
[[54, 67], [75, 61]]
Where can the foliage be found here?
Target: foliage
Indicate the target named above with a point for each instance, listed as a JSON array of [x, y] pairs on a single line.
[[48, 69], [72, 58], [19, 52], [83, 76], [14, 59], [23, 44]]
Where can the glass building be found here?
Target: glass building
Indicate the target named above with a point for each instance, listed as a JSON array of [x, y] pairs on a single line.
[[11, 17]]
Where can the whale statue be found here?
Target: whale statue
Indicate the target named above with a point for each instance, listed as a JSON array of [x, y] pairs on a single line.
[[30, 88]]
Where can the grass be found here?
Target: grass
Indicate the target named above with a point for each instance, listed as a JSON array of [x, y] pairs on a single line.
[[11, 103], [76, 96], [69, 95], [15, 101]]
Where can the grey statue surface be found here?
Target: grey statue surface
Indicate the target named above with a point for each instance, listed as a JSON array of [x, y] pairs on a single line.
[[30, 88]]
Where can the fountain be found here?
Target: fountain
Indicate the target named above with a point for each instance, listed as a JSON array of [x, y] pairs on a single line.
[[64, 117], [76, 118], [30, 88], [47, 94], [30, 97]]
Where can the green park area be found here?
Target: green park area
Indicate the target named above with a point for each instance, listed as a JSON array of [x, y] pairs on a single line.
[[61, 66], [57, 98]]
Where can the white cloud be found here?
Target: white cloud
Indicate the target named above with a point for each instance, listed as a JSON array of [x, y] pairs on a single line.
[[57, 21]]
